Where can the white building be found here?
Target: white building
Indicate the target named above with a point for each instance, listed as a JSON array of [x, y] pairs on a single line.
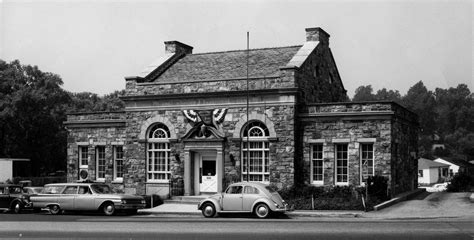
[[430, 172], [6, 168], [453, 168]]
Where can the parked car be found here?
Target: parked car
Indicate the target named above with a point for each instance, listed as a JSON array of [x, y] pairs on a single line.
[[58, 197], [251, 197], [12, 198], [438, 187]]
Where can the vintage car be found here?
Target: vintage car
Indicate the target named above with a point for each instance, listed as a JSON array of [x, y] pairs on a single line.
[[12, 198], [251, 197], [60, 197]]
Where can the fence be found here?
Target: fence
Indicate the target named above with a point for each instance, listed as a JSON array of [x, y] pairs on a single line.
[[176, 187]]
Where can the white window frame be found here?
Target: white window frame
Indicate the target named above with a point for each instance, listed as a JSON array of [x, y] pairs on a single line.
[[159, 137], [336, 166], [264, 150], [313, 160], [81, 157], [361, 155], [97, 163], [115, 161]]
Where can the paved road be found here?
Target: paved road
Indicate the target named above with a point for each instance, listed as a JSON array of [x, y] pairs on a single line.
[[43, 225]]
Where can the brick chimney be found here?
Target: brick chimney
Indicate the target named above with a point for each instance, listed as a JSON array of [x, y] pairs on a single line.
[[317, 34], [177, 47]]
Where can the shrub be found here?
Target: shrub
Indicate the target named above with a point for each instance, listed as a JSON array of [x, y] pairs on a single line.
[[461, 182], [327, 198], [378, 188]]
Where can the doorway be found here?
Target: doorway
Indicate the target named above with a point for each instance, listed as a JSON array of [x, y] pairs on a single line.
[[207, 174]]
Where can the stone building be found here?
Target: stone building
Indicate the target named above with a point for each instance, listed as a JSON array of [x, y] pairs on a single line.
[[202, 119]]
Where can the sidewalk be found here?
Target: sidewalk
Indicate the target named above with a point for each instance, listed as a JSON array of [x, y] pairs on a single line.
[[191, 209], [426, 205]]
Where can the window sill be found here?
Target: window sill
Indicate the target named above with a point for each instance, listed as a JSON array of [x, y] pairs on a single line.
[[100, 180], [117, 181]]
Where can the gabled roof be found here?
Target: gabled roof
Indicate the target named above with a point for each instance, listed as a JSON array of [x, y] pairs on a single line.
[[424, 163], [265, 62], [458, 162]]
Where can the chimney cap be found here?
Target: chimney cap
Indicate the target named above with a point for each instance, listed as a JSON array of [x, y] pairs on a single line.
[[178, 43], [318, 29]]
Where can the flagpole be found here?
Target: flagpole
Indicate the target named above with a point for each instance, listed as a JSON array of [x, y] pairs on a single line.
[[247, 128]]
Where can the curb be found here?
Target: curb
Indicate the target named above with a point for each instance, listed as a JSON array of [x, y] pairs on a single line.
[[399, 198], [292, 213]]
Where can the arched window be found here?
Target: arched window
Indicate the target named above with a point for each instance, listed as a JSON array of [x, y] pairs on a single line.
[[255, 152], [158, 153]]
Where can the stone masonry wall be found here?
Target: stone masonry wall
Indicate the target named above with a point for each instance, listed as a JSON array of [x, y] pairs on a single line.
[[103, 135], [318, 78], [281, 151], [137, 89], [394, 129]]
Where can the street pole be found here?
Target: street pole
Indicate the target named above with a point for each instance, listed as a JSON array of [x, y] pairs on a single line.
[[247, 128]]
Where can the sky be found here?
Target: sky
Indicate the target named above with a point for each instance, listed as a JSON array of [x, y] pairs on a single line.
[[93, 45]]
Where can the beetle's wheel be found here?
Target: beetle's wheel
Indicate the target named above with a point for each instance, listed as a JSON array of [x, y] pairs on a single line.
[[208, 210], [262, 210]]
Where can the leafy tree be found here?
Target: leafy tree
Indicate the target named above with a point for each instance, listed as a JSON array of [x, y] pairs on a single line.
[[388, 95], [31, 116], [364, 93], [422, 102]]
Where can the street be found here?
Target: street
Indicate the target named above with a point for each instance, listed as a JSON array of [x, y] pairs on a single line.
[[43, 225]]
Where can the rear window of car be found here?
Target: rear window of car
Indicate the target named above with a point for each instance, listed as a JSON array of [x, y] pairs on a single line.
[[52, 189], [270, 189]]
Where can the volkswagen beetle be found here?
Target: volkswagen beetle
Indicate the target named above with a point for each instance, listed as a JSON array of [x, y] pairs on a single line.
[[251, 197]]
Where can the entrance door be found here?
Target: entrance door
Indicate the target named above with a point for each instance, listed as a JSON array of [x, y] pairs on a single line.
[[208, 173]]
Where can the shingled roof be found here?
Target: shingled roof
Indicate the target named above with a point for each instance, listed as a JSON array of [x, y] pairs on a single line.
[[264, 62]]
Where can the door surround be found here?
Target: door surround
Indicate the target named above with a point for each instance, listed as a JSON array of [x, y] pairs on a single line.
[[191, 177]]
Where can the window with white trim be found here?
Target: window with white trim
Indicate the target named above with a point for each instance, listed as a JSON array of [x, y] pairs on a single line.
[[84, 156], [255, 152], [100, 162], [366, 161], [317, 164], [158, 153], [118, 163], [342, 167]]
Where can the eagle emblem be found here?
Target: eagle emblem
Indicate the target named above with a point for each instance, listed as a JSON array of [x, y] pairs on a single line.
[[205, 123]]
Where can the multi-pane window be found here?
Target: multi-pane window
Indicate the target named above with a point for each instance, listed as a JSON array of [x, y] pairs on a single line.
[[255, 153], [118, 162], [317, 164], [83, 156], [158, 153], [100, 160], [367, 160], [342, 175]]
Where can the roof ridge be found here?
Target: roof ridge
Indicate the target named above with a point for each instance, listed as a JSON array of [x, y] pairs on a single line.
[[252, 49]]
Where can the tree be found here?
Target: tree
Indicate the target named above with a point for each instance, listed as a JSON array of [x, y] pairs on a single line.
[[388, 95], [364, 93], [31, 115], [422, 102]]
